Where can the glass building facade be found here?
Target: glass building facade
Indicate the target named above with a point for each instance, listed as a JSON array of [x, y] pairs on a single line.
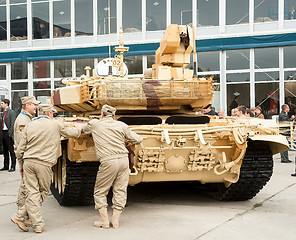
[[248, 46]]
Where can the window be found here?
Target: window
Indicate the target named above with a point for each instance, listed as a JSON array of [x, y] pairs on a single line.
[[244, 98], [134, 64], [19, 86], [63, 68], [266, 58], [237, 11], [40, 19], [182, 12], [19, 70], [290, 11], [289, 57], [2, 72], [238, 77], [16, 103], [208, 13], [41, 84], [150, 60], [267, 96], [3, 23], [237, 59], [155, 15], [41, 69], [103, 17], [18, 22], [266, 76], [265, 11], [62, 18], [132, 15], [81, 64], [208, 61], [83, 17]]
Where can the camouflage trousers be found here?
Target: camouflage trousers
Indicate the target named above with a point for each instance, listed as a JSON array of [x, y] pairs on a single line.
[[37, 179], [112, 173]]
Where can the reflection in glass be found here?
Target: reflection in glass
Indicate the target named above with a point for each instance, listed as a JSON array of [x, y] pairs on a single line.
[[208, 13], [156, 15], [265, 11], [16, 103], [266, 58], [103, 17], [63, 68], [208, 61], [289, 57], [3, 23], [290, 11], [267, 96], [40, 21], [41, 69], [238, 59], [62, 18], [244, 98], [19, 70], [81, 64], [237, 11], [266, 76], [182, 12], [41, 85], [132, 15], [83, 17], [2, 72], [134, 64], [18, 22], [238, 77]]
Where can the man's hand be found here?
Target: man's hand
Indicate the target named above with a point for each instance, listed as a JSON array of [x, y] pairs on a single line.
[[21, 171]]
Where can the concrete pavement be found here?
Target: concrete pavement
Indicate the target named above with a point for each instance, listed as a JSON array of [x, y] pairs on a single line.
[[167, 211]]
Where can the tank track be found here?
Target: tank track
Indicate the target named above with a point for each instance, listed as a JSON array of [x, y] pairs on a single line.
[[255, 172], [80, 181]]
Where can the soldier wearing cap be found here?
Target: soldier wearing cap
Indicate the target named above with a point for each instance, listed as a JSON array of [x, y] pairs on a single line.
[[109, 137], [37, 153], [29, 107]]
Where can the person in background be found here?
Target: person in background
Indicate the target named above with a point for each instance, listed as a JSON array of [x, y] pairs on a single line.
[[8, 120], [258, 112], [221, 113], [234, 103], [283, 117]]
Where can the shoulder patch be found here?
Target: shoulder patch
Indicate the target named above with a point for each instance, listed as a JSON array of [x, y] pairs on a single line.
[[22, 127]]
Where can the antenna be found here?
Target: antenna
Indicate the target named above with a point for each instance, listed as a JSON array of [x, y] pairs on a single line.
[[109, 29], [194, 54]]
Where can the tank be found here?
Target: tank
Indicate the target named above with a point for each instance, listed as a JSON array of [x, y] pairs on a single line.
[[231, 156]]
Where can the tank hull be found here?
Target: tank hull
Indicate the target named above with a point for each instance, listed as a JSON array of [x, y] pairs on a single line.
[[213, 152]]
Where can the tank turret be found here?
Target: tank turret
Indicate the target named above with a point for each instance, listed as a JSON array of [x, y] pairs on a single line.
[[170, 87]]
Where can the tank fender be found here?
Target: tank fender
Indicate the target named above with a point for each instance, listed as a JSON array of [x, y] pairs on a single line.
[[277, 143]]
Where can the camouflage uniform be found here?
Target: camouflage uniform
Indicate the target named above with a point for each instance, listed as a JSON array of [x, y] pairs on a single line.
[[37, 152], [109, 137]]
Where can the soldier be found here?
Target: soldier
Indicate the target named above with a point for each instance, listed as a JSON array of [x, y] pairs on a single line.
[[37, 152], [29, 107], [109, 137]]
